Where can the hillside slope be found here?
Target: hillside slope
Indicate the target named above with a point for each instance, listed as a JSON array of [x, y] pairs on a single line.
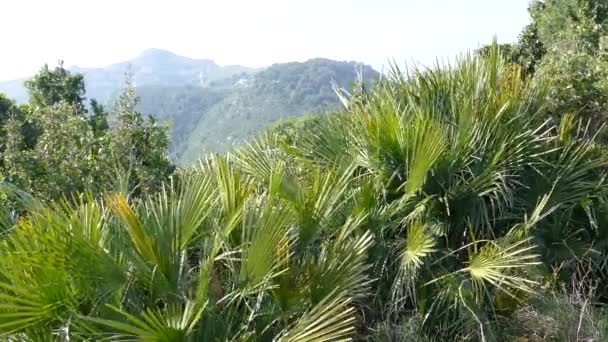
[[281, 91], [212, 107]]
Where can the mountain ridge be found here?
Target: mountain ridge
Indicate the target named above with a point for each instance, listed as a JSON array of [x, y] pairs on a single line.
[[152, 66], [213, 107]]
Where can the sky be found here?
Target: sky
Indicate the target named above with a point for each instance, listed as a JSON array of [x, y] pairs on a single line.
[[254, 33]]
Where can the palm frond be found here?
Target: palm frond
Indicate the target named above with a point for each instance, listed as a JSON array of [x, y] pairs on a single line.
[[332, 319], [342, 266], [174, 323], [268, 243], [493, 265]]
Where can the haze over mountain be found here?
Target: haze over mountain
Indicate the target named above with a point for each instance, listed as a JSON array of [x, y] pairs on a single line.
[[213, 107], [153, 67]]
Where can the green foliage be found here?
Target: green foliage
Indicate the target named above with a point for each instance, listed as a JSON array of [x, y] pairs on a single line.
[[7, 110], [211, 108], [506, 50], [61, 162], [50, 87], [54, 148], [472, 194], [565, 44], [138, 145], [288, 131], [257, 101], [529, 50], [6, 106], [435, 206], [98, 120], [197, 261]]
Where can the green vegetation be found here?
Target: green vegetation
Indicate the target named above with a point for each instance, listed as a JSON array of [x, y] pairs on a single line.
[[440, 205], [213, 108], [566, 44], [53, 147], [464, 202], [279, 92]]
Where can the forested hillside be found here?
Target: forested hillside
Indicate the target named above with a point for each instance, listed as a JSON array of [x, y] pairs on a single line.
[[463, 202], [279, 92], [211, 107]]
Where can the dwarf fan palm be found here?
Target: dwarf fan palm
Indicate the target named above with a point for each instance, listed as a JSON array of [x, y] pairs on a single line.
[[441, 193]]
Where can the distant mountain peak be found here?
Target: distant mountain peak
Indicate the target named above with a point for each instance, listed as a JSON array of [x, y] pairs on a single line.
[[150, 57], [155, 56], [157, 53]]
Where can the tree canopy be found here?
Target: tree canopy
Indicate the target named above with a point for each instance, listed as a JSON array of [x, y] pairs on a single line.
[[55, 146], [565, 43], [52, 86]]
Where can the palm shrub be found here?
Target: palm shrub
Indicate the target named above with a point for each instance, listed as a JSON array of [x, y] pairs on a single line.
[[438, 201], [211, 257], [474, 196]]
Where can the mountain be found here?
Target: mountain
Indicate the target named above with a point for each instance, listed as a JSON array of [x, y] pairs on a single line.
[[14, 89], [153, 67], [224, 113], [213, 107], [278, 92]]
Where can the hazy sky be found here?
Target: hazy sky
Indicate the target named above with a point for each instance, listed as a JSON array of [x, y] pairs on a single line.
[[254, 33]]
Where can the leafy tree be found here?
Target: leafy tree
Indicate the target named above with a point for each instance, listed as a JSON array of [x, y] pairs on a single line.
[[16, 133], [138, 145], [51, 150], [61, 162], [52, 86], [529, 50], [565, 44], [7, 141], [56, 150], [98, 120], [7, 107]]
